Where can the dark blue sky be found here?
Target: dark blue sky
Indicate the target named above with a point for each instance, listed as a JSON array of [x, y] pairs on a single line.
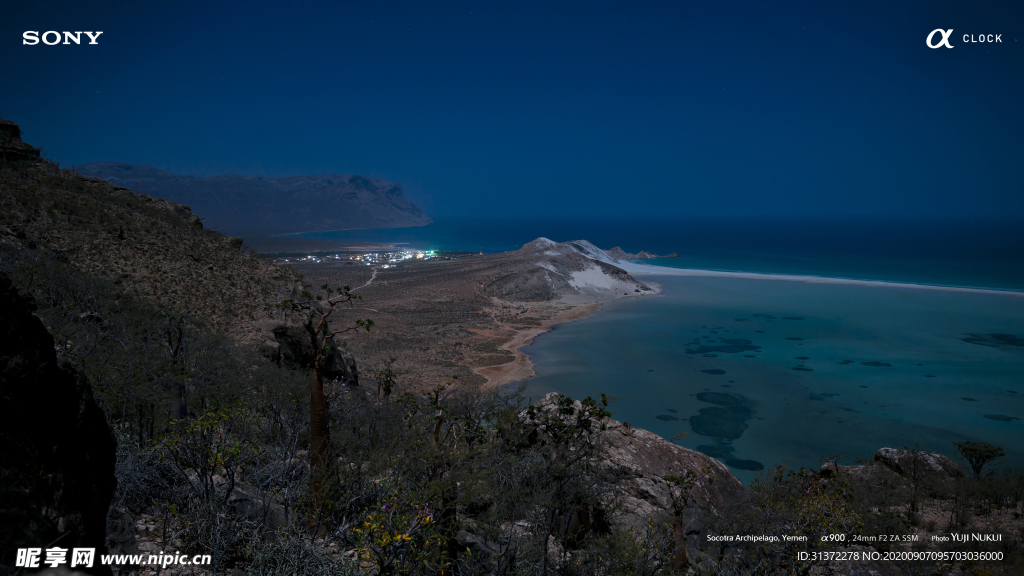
[[673, 109]]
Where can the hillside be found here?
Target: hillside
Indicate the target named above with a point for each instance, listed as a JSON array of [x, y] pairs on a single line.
[[258, 206], [147, 248]]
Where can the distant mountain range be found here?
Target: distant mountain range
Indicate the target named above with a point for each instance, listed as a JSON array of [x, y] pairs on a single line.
[[258, 206]]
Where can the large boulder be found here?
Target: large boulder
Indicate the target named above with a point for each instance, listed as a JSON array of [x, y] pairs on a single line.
[[928, 463], [57, 453], [641, 461], [292, 348], [934, 471], [258, 506], [639, 466]]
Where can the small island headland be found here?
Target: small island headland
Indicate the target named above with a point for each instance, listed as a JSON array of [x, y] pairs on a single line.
[[468, 314]]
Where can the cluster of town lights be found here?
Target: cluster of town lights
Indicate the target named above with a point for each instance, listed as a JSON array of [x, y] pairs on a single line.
[[382, 259]]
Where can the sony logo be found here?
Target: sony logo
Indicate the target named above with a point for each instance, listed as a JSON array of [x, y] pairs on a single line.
[[52, 37]]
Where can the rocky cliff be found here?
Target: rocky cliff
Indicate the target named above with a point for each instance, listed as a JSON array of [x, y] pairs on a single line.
[[640, 467], [258, 206], [11, 145]]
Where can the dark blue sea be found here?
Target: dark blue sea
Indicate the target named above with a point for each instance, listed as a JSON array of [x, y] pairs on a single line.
[[960, 253], [756, 372]]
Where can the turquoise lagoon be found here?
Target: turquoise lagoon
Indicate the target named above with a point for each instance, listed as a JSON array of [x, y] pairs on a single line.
[[763, 371]]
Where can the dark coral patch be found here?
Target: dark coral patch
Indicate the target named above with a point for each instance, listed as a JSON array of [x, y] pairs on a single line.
[[1005, 342], [752, 465], [1001, 417], [719, 451], [877, 364], [727, 420], [725, 346]]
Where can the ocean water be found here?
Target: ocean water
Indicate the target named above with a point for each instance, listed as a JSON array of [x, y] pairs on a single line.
[[757, 372], [762, 371], [957, 253]]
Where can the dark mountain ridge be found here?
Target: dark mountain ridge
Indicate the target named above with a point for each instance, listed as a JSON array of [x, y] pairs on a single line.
[[256, 205]]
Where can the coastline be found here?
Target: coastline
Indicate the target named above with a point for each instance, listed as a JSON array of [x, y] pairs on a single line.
[[521, 367], [441, 322], [647, 270]]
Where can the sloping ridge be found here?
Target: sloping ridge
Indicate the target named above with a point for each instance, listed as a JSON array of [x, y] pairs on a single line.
[[256, 206], [574, 272]]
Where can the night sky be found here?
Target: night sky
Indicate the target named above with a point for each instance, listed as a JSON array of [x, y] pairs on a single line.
[[668, 109]]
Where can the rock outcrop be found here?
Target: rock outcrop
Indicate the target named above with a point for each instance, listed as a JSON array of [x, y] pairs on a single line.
[[642, 461], [57, 453], [620, 254], [639, 465], [931, 468], [12, 148], [258, 206]]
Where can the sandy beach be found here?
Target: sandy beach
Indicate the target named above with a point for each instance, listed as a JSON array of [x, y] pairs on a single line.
[[522, 367], [648, 270]]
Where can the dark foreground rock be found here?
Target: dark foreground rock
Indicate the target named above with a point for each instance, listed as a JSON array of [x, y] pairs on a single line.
[[57, 453]]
